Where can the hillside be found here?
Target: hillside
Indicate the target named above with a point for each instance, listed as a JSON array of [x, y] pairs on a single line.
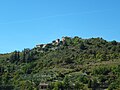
[[67, 64]]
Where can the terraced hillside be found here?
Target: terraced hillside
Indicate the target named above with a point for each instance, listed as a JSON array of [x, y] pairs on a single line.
[[67, 64]]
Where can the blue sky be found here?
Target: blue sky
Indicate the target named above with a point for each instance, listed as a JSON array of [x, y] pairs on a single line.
[[25, 23]]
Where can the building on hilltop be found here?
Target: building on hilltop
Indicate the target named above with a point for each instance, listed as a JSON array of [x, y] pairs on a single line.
[[43, 86], [63, 40], [57, 41], [44, 45], [53, 42], [39, 45]]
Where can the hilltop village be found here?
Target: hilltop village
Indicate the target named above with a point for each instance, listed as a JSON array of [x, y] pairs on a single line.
[[51, 46]]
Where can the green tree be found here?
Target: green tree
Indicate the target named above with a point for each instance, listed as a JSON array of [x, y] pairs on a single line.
[[79, 86], [66, 82], [15, 57], [58, 85]]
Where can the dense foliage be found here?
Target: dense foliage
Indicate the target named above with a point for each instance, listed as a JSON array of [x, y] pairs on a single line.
[[75, 63]]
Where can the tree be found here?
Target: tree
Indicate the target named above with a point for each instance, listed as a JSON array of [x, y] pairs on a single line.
[[26, 55], [68, 41], [94, 83], [82, 46], [83, 79], [76, 40], [15, 57], [58, 85], [66, 82], [5, 78], [79, 86], [113, 42], [90, 83]]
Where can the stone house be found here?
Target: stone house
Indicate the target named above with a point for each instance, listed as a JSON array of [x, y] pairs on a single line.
[[57, 41], [63, 40], [43, 86], [39, 46]]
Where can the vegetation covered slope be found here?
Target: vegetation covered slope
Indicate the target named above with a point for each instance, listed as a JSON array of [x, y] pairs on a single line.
[[72, 64]]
